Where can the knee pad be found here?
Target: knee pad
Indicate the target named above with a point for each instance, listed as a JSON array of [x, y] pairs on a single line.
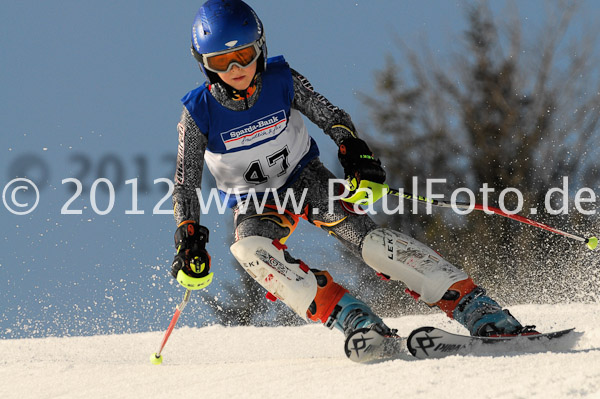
[[403, 258], [264, 259]]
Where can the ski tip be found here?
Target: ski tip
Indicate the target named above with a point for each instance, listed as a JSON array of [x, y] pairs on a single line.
[[367, 346], [592, 243], [362, 344], [414, 332]]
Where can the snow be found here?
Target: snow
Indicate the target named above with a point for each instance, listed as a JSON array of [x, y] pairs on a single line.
[[297, 362]]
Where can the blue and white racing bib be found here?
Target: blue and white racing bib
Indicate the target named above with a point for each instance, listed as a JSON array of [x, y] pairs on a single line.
[[256, 149]]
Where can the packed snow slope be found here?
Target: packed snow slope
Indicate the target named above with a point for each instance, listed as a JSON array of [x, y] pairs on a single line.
[[298, 362]]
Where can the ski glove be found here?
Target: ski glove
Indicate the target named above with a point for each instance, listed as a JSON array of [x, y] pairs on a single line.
[[359, 162], [191, 265]]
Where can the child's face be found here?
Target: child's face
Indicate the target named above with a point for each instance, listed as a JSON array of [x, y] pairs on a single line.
[[239, 78]]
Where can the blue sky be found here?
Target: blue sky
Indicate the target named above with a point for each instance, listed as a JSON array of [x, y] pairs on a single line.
[[91, 89]]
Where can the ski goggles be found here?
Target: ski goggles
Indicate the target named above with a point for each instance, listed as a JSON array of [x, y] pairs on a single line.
[[223, 61]]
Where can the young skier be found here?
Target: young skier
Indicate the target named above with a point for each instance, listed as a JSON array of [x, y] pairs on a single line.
[[245, 123]]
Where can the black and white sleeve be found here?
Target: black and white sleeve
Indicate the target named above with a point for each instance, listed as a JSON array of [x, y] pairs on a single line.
[[334, 121], [188, 173]]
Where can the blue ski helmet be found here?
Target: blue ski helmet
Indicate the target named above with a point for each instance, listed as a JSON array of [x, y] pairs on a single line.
[[223, 26]]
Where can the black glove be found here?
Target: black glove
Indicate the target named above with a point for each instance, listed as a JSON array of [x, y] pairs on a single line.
[[359, 162], [190, 243]]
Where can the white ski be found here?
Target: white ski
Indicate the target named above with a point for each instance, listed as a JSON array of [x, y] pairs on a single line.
[[431, 342]]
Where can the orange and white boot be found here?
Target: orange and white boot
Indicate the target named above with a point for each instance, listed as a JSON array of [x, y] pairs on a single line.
[[481, 315]]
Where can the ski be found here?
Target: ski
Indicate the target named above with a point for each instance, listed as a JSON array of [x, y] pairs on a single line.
[[433, 343], [368, 346]]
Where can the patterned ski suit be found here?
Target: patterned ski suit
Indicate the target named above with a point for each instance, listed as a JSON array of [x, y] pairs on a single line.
[[259, 141]]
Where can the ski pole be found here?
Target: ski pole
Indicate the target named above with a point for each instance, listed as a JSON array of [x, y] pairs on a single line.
[[590, 242], [156, 358], [369, 192]]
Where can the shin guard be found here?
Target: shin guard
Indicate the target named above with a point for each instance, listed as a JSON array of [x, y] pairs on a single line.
[[403, 258], [265, 260]]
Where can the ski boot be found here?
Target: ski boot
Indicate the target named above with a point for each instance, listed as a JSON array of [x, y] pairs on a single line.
[[368, 339], [481, 315]]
